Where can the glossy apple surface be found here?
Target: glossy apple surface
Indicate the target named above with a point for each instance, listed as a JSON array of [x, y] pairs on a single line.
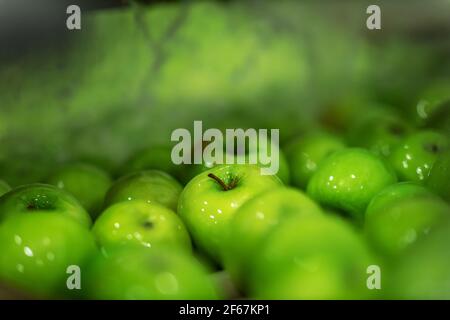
[[138, 222], [348, 179], [206, 206], [414, 157], [254, 221], [151, 186], [36, 250], [86, 182], [306, 152], [136, 273], [34, 198]]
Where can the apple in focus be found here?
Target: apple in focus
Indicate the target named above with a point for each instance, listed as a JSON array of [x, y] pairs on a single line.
[[210, 200], [138, 222]]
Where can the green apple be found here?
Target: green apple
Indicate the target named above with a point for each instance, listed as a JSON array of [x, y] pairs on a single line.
[[37, 249], [209, 201], [422, 273], [138, 222], [86, 182], [304, 154], [389, 195], [403, 221], [138, 274], [378, 131], [255, 219], [348, 179], [35, 198], [439, 178], [150, 185], [311, 258], [154, 158], [413, 158], [4, 187]]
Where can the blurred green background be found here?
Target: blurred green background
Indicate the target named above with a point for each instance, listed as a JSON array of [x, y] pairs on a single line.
[[136, 72]]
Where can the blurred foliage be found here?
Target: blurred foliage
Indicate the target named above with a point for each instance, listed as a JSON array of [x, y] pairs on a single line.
[[133, 74]]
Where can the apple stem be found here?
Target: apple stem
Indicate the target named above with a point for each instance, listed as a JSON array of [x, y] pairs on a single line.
[[219, 181]]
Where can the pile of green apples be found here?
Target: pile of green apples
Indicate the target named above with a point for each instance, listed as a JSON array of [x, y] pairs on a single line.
[[375, 195]]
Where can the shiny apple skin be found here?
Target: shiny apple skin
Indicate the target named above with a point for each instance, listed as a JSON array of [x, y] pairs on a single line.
[[207, 209]]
